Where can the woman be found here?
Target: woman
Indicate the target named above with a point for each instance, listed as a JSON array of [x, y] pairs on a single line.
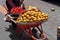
[[14, 3]]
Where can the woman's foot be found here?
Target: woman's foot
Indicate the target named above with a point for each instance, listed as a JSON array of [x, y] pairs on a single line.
[[35, 34]]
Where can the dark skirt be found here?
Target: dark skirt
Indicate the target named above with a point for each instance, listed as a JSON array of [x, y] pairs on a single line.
[[8, 6], [15, 2]]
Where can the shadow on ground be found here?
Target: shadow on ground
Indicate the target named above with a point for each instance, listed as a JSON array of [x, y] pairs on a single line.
[[54, 2], [13, 35]]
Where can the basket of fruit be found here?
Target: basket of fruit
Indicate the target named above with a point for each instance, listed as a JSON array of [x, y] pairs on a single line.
[[32, 16], [29, 17]]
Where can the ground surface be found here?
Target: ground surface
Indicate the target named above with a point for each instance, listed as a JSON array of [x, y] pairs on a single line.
[[49, 27]]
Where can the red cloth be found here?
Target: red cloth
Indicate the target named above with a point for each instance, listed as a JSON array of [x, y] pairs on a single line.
[[17, 10]]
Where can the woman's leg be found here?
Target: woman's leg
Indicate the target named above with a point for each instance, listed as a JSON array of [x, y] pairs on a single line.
[[14, 25], [8, 6]]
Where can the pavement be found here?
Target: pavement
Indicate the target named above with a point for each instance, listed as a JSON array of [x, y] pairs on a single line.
[[49, 27]]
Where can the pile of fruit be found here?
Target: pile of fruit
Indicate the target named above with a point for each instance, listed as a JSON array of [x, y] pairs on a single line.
[[32, 15]]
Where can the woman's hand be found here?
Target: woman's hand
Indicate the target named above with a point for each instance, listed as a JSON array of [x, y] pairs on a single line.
[[21, 2]]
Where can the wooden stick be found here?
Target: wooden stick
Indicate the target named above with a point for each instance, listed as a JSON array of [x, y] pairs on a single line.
[[11, 19]]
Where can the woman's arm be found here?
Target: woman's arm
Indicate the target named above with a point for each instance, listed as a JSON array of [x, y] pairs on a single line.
[[11, 3], [23, 6]]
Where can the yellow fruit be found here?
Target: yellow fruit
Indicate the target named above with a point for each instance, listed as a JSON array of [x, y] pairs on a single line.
[[35, 19], [19, 18], [31, 20], [24, 20], [34, 8], [43, 13], [46, 14], [32, 13], [39, 19], [46, 17], [27, 15], [43, 18], [27, 20], [30, 7], [28, 11], [32, 16], [22, 15], [39, 12], [17, 21], [35, 15]]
